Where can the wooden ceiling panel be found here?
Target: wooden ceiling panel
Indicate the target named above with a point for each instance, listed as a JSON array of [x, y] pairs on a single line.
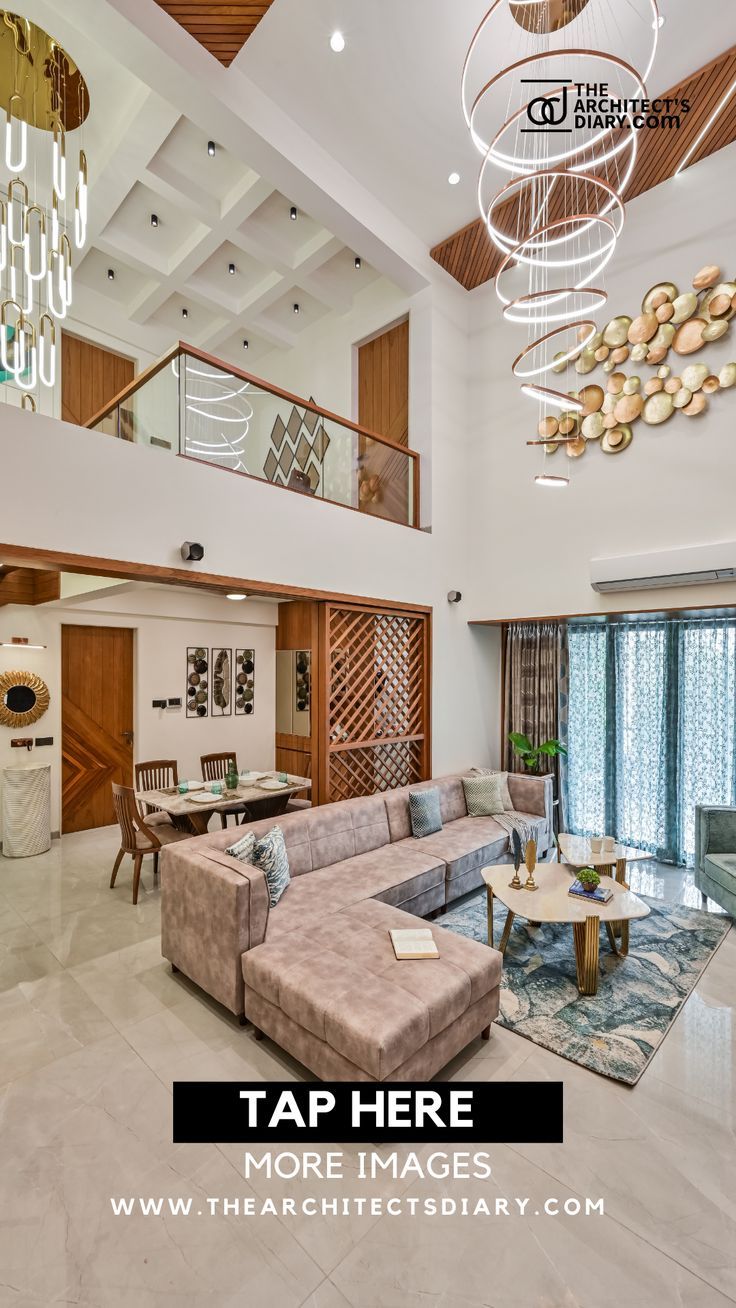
[[471, 257], [222, 29]]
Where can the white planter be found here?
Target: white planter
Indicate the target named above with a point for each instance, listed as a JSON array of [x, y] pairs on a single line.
[[26, 810]]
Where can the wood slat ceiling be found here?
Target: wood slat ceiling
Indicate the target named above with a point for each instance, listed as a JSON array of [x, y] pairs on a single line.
[[222, 29], [471, 257]]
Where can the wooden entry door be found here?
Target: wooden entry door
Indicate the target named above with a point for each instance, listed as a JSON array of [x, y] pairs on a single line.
[[383, 407], [96, 722], [90, 377]]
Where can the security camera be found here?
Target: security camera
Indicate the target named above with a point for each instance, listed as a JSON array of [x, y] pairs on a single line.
[[192, 552], [454, 596]]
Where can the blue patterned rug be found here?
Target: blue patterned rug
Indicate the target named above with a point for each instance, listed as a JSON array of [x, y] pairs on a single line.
[[617, 1031]]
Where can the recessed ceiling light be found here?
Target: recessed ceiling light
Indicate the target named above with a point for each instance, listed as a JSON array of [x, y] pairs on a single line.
[[453, 179], [297, 308], [337, 42], [236, 596], [546, 479], [245, 345], [185, 313], [231, 269], [211, 148], [154, 220], [293, 213], [111, 274], [358, 261]]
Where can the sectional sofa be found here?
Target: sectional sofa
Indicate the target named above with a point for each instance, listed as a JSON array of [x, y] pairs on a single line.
[[317, 973]]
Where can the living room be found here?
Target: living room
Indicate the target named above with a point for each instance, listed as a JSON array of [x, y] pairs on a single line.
[[461, 567]]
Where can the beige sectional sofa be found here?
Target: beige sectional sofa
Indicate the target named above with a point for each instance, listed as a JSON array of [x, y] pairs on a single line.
[[317, 972]]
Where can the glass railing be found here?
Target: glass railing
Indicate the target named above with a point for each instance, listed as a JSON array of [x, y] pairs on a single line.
[[200, 408]]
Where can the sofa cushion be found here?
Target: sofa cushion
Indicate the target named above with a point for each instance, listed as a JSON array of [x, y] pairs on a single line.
[[452, 804], [721, 868], [309, 900], [464, 845], [483, 795], [424, 812], [343, 983], [269, 854]]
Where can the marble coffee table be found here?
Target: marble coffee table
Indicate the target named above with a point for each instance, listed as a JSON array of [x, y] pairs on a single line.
[[550, 902], [576, 850]]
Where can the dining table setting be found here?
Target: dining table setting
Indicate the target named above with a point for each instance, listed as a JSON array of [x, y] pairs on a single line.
[[191, 803]]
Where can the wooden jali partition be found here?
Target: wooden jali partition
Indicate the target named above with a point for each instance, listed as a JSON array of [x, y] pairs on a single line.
[[376, 686]]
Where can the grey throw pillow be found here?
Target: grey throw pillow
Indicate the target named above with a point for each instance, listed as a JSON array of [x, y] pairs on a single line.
[[424, 811], [483, 795], [505, 793]]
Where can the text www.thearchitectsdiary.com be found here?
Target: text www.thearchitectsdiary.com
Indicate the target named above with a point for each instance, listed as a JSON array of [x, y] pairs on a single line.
[[356, 1205]]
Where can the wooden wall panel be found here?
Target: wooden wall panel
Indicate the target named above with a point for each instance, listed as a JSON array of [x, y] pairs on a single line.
[[28, 586], [90, 378], [470, 256], [375, 673], [298, 628], [222, 29], [383, 407]]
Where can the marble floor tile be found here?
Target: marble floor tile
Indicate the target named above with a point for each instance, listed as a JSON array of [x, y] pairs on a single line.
[[24, 957], [43, 1020]]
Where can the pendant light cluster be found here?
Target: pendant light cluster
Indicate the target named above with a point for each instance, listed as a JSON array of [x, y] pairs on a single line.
[[551, 184], [44, 97]]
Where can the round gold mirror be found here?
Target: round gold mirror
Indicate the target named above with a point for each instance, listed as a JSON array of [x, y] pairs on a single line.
[[24, 698]]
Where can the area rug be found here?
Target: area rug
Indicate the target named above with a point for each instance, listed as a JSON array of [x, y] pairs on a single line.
[[617, 1031]]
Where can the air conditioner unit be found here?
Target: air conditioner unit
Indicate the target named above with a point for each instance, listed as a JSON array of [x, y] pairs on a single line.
[[695, 565]]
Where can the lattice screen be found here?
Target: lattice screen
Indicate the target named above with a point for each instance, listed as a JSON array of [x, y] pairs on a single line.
[[378, 721]]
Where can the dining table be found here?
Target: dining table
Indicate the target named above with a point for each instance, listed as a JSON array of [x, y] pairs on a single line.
[[264, 796]]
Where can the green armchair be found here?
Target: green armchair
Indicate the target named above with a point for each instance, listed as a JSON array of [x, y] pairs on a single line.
[[715, 854]]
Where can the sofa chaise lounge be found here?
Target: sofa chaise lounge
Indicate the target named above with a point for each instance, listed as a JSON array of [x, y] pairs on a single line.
[[317, 973]]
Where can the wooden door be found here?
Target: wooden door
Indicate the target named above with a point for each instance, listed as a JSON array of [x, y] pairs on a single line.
[[383, 407], [90, 378], [96, 722]]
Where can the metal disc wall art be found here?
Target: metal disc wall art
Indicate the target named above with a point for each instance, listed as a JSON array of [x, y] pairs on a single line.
[[303, 680], [222, 682], [670, 320], [197, 681], [245, 674]]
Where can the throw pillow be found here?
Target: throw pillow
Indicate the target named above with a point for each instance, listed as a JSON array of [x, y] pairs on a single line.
[[424, 811], [505, 793], [483, 795], [269, 854], [243, 848]]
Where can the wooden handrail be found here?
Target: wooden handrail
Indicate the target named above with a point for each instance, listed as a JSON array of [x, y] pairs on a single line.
[[191, 350]]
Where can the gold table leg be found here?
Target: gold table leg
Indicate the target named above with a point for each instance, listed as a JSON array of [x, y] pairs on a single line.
[[506, 932], [586, 935], [617, 927]]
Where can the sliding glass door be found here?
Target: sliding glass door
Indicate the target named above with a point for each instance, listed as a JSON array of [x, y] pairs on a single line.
[[651, 729]]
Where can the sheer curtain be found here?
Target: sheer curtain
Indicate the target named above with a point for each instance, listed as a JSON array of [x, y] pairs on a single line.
[[651, 729]]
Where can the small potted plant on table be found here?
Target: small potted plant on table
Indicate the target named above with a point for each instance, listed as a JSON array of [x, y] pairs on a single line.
[[589, 879]]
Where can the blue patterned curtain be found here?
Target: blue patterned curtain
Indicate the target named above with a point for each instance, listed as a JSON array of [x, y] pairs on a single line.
[[651, 729]]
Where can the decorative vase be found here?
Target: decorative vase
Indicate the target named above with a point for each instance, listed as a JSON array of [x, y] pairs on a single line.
[[231, 778]]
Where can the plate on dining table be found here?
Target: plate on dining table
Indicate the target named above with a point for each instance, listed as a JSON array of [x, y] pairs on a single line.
[[271, 783], [203, 797], [250, 778]]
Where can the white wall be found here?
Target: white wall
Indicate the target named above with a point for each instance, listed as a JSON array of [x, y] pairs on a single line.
[[166, 622], [672, 487]]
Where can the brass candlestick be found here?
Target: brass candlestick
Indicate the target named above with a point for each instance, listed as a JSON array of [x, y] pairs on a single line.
[[531, 863]]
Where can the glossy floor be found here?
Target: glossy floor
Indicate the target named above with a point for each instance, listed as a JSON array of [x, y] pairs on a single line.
[[94, 1028]]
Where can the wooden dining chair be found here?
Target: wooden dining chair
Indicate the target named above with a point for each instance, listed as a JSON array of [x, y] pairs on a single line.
[[296, 805], [137, 837], [214, 768], [156, 774]]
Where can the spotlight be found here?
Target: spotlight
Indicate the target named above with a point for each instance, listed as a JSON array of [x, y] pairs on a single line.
[[192, 551], [154, 220], [453, 179], [293, 213], [297, 308], [231, 269], [236, 595], [111, 274], [358, 261], [337, 42], [185, 313], [211, 147], [454, 596], [245, 345]]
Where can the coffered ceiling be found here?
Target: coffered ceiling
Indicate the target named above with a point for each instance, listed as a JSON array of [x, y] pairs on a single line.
[[221, 28]]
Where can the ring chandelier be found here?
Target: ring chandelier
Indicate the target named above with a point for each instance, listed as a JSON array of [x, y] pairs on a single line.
[[551, 194], [44, 97], [219, 415]]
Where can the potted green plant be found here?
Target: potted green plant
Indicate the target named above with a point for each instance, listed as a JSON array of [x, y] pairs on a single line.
[[532, 756], [589, 879]]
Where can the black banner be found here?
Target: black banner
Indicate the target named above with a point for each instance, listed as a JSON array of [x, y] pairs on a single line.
[[347, 1112]]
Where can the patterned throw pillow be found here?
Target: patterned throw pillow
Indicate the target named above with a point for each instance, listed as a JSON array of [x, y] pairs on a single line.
[[505, 793], [269, 854], [424, 811], [483, 795], [243, 848]]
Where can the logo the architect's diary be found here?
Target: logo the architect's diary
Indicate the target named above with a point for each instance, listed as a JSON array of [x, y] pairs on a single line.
[[574, 106]]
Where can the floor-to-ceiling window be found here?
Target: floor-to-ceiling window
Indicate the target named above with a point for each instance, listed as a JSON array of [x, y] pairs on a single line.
[[651, 728]]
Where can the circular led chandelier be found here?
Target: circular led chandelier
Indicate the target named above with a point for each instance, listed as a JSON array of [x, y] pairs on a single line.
[[551, 184], [41, 88], [219, 414]]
